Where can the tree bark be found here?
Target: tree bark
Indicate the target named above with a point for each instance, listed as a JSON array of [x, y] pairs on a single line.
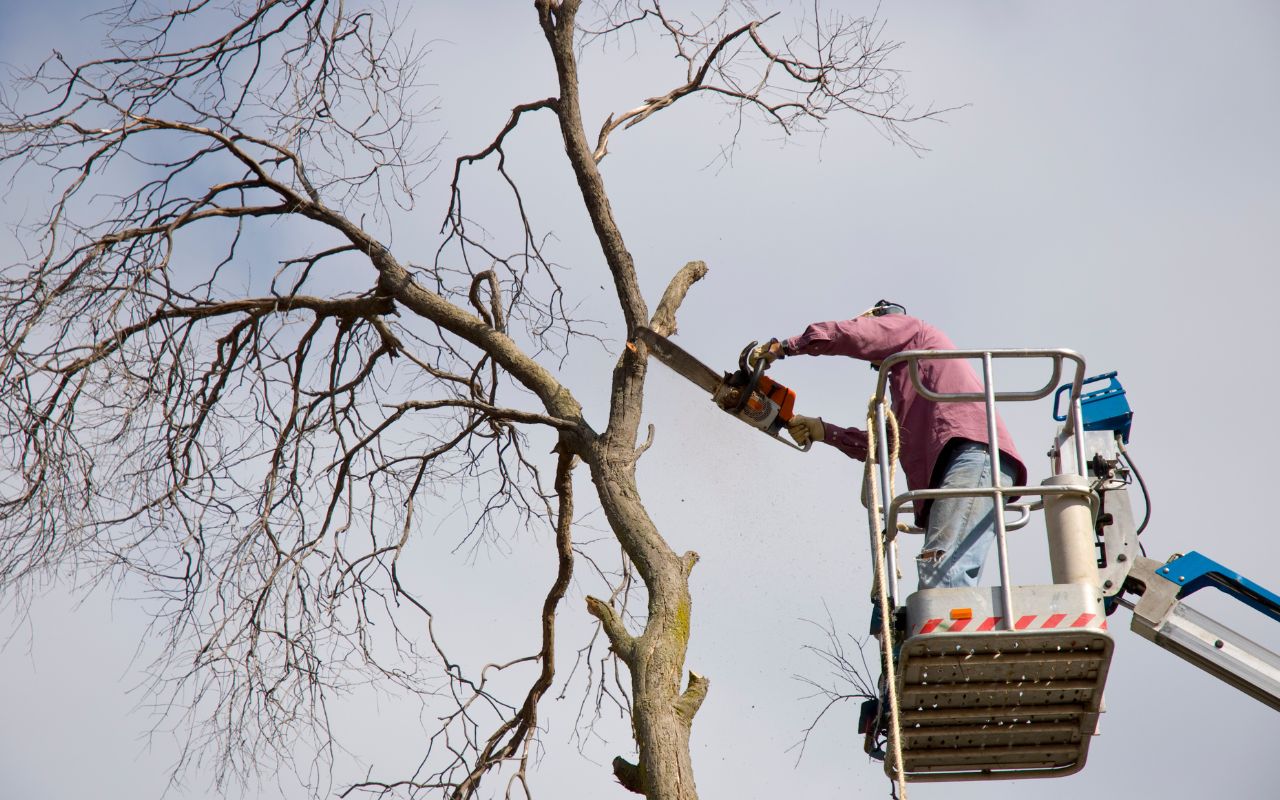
[[661, 716]]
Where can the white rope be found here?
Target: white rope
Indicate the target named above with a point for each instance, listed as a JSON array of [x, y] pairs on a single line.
[[871, 481]]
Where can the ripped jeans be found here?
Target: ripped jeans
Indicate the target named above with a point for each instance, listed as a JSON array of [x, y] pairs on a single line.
[[961, 529]]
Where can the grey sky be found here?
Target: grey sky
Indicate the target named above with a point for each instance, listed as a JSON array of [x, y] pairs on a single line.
[[1112, 186]]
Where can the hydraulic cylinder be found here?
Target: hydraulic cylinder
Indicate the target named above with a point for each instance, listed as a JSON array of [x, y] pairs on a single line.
[[1068, 519]]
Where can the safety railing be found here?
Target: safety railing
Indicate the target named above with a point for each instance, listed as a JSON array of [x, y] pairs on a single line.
[[883, 535]]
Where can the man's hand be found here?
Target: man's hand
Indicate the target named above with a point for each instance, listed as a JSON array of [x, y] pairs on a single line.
[[768, 352], [806, 429]]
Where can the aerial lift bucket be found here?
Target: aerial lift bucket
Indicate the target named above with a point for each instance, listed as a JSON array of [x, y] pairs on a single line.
[[1006, 681]]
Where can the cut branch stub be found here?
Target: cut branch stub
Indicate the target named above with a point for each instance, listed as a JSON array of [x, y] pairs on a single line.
[[691, 699], [664, 318], [620, 641], [631, 776], [688, 561]]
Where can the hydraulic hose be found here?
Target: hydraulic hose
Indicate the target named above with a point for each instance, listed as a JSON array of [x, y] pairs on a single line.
[[1146, 496]]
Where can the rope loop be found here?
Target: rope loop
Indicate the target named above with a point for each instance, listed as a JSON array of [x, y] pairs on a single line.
[[871, 499]]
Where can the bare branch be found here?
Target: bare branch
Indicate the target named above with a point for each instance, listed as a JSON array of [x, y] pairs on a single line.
[[829, 65], [509, 414], [515, 734], [344, 309], [848, 680], [620, 641], [664, 318]]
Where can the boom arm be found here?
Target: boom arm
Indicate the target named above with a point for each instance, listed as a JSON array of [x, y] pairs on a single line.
[[1161, 617]]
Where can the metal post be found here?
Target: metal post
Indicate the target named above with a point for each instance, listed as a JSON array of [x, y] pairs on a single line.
[[1077, 416], [993, 446], [886, 474]]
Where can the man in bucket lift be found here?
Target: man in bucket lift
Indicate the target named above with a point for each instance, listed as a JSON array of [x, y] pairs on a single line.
[[943, 445]]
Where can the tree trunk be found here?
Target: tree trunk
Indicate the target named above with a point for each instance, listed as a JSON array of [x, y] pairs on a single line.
[[662, 714]]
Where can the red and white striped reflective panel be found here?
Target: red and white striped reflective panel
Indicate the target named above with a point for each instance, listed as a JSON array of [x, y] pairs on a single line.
[[1028, 622]]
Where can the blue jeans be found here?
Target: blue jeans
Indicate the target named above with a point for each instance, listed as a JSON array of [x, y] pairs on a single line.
[[961, 529]]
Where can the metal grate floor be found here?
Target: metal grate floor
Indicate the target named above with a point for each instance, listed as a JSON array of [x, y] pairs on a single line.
[[1015, 704]]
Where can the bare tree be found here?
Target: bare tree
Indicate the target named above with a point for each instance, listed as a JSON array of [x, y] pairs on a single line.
[[259, 451]]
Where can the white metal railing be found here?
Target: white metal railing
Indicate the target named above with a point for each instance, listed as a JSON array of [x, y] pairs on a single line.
[[883, 535]]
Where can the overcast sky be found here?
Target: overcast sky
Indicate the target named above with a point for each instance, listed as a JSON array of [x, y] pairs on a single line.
[[1111, 184]]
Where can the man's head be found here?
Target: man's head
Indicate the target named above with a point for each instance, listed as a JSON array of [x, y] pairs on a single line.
[[883, 308]]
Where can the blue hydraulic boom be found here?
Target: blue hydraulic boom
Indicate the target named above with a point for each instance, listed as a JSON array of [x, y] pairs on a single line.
[[1160, 616]]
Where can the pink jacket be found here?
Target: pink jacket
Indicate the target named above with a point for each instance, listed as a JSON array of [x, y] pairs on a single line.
[[926, 427]]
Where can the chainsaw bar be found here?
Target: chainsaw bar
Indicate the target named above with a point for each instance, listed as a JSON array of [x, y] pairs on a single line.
[[679, 360]]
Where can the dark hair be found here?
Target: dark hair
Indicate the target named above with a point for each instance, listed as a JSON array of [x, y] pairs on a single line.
[[887, 307]]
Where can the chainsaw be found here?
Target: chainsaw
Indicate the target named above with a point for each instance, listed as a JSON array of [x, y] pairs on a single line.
[[746, 393]]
